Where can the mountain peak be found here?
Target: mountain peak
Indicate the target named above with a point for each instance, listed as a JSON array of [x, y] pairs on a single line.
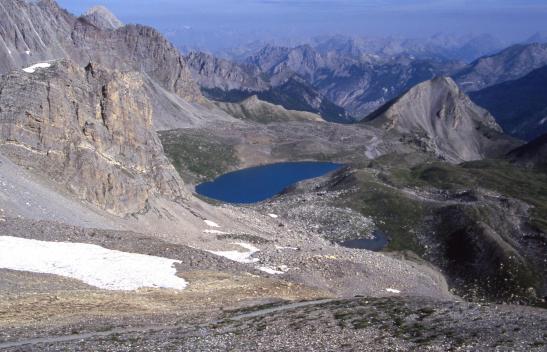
[[443, 84], [441, 118], [101, 17]]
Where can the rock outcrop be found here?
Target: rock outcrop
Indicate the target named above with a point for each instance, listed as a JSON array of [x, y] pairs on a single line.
[[441, 119], [90, 130], [32, 32], [101, 17]]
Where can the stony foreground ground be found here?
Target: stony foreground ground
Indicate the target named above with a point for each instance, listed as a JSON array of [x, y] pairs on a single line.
[[364, 324]]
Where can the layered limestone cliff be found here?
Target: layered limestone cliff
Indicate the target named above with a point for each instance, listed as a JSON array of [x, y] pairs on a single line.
[[89, 129]]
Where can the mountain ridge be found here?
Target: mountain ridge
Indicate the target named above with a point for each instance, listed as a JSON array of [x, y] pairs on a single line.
[[42, 31], [442, 119], [511, 63]]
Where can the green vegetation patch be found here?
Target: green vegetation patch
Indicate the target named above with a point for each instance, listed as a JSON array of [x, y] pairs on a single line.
[[395, 213], [381, 191], [198, 157], [512, 181]]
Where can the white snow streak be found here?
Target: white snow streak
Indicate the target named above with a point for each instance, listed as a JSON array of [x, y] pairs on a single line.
[[282, 248], [216, 232], [274, 271], [240, 257], [269, 270], [273, 216], [97, 266], [391, 290], [211, 223], [33, 68]]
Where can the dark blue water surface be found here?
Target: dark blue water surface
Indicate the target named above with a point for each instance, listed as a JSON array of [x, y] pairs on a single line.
[[260, 183], [379, 242]]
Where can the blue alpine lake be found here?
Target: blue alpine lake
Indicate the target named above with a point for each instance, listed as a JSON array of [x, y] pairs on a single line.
[[259, 183], [377, 243]]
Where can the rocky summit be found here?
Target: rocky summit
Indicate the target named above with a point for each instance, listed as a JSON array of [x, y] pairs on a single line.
[[405, 216], [442, 119], [41, 31], [101, 17]]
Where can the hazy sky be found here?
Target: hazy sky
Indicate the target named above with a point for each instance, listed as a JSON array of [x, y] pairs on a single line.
[[221, 22]]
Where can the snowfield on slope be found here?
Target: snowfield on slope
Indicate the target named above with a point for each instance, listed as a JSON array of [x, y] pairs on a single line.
[[33, 68], [96, 266]]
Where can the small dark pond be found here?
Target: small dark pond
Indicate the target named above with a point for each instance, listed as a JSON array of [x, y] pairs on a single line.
[[379, 242], [260, 183]]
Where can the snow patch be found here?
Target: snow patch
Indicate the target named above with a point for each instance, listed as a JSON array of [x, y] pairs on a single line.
[[391, 290], [33, 68], [273, 216], [240, 257], [27, 52], [271, 271], [211, 223], [281, 248], [97, 266], [215, 232]]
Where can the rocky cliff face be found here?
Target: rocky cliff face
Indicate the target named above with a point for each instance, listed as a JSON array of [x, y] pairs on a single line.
[[32, 32], [90, 130], [439, 117]]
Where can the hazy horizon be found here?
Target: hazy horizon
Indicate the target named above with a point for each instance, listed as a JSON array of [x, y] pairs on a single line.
[[213, 24]]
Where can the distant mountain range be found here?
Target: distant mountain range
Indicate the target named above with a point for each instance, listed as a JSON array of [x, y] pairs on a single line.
[[340, 87], [340, 82], [450, 47]]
